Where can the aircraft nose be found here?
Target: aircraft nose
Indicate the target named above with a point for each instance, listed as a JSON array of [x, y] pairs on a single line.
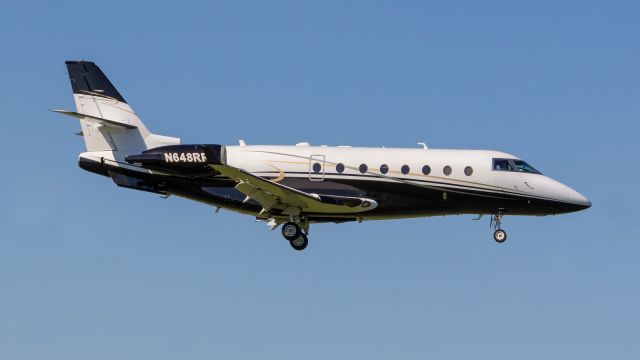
[[580, 200], [562, 193]]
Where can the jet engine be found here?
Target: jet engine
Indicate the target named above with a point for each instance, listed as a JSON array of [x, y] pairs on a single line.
[[181, 159]]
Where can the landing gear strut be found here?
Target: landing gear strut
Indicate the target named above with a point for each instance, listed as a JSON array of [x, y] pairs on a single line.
[[296, 232], [499, 235]]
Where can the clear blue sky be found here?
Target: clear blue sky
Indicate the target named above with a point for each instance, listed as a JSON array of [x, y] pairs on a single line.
[[91, 271]]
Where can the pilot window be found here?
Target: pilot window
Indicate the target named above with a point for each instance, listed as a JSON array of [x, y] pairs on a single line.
[[524, 167], [513, 165], [502, 165]]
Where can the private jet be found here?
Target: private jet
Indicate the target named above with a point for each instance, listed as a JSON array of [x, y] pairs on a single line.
[[296, 186]]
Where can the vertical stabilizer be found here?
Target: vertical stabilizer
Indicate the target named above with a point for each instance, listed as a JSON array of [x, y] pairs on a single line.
[[96, 97]]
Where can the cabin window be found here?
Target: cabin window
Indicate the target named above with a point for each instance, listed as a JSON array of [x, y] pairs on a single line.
[[468, 171], [447, 170], [405, 169], [426, 169], [317, 167], [384, 169], [340, 168], [363, 168]]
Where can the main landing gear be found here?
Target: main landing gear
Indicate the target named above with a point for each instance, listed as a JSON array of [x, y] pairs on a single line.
[[499, 235], [295, 234]]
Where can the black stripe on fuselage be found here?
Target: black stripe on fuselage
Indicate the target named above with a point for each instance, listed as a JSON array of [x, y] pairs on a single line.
[[448, 186], [393, 198]]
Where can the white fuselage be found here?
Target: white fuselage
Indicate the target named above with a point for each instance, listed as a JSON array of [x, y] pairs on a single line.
[[298, 161]]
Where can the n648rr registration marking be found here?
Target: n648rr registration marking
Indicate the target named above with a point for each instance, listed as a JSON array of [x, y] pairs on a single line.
[[185, 157]]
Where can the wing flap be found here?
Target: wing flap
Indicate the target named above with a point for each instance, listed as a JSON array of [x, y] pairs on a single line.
[[267, 200], [272, 195]]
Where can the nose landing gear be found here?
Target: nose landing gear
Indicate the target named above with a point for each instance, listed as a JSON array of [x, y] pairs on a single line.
[[499, 235]]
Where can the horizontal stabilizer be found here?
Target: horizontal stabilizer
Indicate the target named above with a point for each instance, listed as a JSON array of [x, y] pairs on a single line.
[[99, 120]]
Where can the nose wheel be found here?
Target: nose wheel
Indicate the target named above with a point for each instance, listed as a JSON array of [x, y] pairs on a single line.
[[499, 235]]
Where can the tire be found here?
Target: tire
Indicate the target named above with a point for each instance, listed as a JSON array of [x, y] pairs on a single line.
[[291, 231], [500, 236], [300, 243]]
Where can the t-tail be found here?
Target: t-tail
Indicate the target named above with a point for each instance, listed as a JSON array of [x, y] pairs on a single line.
[[109, 124], [119, 145]]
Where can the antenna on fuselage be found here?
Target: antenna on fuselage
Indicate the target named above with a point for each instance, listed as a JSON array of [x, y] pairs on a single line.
[[424, 145]]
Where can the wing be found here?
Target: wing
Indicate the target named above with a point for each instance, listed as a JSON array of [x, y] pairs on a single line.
[[271, 195]]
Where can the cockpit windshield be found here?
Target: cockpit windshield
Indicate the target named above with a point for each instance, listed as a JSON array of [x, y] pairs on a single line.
[[502, 165], [513, 165], [524, 167]]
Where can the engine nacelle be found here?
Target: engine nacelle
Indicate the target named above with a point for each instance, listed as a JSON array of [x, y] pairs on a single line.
[[181, 159]]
